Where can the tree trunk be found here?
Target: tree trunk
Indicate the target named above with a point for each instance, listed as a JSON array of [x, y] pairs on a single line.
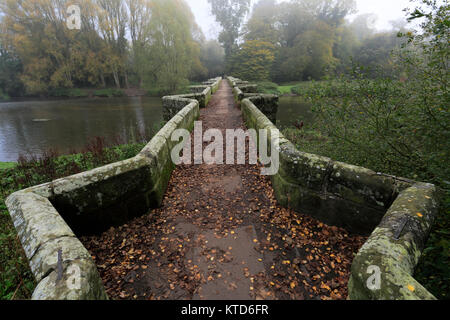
[[127, 85], [102, 79], [116, 78]]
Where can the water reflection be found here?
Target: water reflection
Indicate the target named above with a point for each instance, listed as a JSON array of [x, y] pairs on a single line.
[[292, 110], [36, 126]]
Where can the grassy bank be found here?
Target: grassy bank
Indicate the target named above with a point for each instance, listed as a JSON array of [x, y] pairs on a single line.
[[7, 165], [85, 93], [76, 93], [289, 88], [16, 279]]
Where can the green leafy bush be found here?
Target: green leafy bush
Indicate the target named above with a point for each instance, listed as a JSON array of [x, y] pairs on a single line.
[[268, 88]]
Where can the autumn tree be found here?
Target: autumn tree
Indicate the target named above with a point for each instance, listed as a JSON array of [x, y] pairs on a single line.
[[112, 21], [304, 33], [10, 69], [253, 61]]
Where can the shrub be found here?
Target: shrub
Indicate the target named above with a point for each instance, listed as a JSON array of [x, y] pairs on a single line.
[[268, 88]]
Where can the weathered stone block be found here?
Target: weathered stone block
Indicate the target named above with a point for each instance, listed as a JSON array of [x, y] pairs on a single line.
[[395, 248], [46, 258], [31, 215], [303, 169], [362, 186], [79, 281], [100, 188]]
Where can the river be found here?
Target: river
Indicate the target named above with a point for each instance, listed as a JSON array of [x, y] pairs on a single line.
[[294, 109], [32, 127]]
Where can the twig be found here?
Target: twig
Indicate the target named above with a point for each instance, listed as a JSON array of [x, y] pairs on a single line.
[[17, 289]]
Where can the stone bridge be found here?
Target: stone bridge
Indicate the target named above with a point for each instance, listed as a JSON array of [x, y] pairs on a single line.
[[147, 229]]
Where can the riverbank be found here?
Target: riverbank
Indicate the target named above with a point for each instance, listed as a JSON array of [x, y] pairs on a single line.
[[292, 89], [74, 93], [16, 279]]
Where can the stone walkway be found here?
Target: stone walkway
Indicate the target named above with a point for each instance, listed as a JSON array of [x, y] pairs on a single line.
[[221, 235]]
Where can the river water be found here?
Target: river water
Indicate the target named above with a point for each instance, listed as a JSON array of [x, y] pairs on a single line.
[[32, 127], [294, 109]]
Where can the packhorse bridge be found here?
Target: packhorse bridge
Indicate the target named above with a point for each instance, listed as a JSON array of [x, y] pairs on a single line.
[[147, 229]]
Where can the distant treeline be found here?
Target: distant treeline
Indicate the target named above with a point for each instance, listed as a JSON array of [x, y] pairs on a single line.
[[302, 39], [152, 44], [157, 44]]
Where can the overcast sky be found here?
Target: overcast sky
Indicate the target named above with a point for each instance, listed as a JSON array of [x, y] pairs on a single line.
[[386, 10]]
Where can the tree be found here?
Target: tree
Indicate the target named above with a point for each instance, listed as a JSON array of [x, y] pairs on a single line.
[[139, 19], [112, 21], [308, 36], [375, 53], [10, 69], [36, 31], [171, 49], [262, 25], [363, 26], [230, 14], [254, 60]]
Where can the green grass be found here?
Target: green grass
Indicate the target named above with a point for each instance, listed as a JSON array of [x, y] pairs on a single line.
[[7, 165], [268, 87], [288, 88], [16, 279]]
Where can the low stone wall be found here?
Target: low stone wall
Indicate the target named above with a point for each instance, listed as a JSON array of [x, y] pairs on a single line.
[[242, 89], [214, 84], [173, 104], [48, 216], [357, 199], [394, 248]]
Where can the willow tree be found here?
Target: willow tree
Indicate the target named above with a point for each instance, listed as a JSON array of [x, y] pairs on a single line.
[[113, 19], [52, 55], [171, 48], [35, 30], [140, 13]]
